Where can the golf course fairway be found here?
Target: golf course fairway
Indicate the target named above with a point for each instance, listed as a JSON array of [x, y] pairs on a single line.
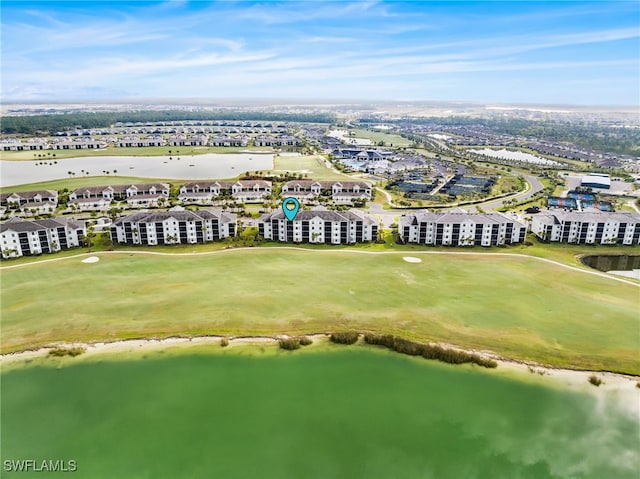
[[515, 306]]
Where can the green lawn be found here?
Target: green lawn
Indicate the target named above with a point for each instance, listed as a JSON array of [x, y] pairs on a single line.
[[73, 183], [377, 136], [314, 166], [517, 307]]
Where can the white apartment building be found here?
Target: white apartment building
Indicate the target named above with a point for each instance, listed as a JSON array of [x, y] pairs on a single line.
[[173, 227], [620, 227], [461, 229], [319, 225], [25, 238]]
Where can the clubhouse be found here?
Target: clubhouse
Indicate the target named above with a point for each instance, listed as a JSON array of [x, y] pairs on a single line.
[[205, 192], [620, 227], [177, 226], [341, 192], [319, 225], [460, 229], [25, 238]]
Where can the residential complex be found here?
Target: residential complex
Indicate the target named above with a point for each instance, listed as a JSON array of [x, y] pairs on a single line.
[[205, 192], [177, 226], [622, 227], [30, 202], [25, 238], [340, 192], [319, 225], [137, 195], [461, 229]]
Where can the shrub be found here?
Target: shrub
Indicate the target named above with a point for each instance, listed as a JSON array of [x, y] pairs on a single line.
[[305, 341], [224, 342], [349, 337], [289, 343], [73, 352], [595, 380], [428, 351]]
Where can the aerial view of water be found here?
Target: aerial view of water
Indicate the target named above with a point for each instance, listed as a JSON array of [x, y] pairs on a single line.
[[211, 165], [515, 155], [346, 413]]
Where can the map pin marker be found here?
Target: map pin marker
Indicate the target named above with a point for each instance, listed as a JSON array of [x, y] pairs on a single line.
[[290, 207]]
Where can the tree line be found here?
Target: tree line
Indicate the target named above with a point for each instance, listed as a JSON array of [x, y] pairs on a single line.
[[593, 135], [51, 123]]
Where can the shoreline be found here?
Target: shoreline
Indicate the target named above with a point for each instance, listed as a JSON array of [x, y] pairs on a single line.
[[570, 377]]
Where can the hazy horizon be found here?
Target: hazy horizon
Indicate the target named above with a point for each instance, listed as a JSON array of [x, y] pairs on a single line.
[[512, 53]]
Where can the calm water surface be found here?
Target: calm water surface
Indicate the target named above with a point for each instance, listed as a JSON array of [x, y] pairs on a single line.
[[346, 414], [612, 262], [205, 166]]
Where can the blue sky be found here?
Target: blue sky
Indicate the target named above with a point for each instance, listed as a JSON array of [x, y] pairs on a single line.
[[562, 52]]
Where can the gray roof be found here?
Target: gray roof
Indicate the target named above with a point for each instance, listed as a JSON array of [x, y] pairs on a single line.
[[184, 215], [452, 217], [20, 226], [589, 216], [29, 194], [322, 213], [121, 189]]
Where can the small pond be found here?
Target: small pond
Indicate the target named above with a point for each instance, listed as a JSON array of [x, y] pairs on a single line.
[[609, 263]]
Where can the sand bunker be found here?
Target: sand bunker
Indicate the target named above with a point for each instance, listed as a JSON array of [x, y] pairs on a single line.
[[91, 259], [411, 259]]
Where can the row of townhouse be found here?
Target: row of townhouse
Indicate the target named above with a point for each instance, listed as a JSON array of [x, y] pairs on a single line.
[[205, 192], [136, 141], [31, 144], [461, 229], [198, 139], [279, 140], [78, 144], [319, 225], [226, 140], [29, 202], [341, 192], [620, 227], [25, 238], [177, 226], [137, 195]]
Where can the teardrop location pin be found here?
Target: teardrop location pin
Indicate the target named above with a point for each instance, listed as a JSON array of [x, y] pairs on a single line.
[[290, 208]]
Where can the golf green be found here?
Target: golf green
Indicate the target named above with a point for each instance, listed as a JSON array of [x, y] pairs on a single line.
[[340, 412]]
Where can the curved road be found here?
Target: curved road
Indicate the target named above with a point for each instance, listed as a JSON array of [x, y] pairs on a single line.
[[534, 187]]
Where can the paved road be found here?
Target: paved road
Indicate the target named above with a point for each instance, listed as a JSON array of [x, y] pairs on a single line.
[[534, 187]]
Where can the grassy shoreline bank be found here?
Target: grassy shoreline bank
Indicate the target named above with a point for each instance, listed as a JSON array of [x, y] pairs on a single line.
[[140, 348], [533, 309]]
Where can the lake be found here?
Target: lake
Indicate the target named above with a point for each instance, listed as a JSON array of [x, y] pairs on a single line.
[[207, 166], [339, 412], [515, 155]]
